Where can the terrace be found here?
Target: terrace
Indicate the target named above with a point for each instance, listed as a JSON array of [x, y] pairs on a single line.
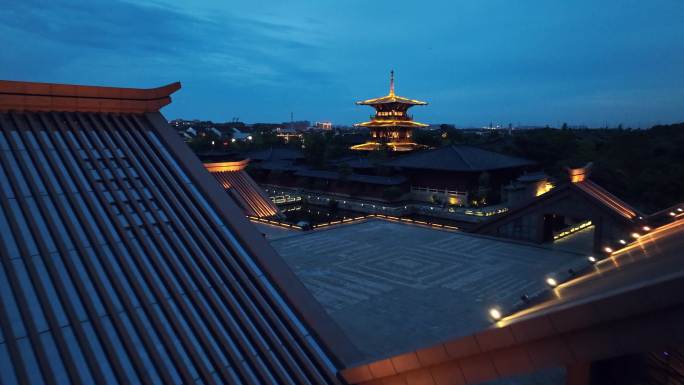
[[393, 287]]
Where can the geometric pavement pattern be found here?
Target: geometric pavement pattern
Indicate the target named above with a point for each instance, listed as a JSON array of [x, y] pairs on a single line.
[[381, 279]]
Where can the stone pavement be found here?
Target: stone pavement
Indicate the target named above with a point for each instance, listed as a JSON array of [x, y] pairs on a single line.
[[394, 287]]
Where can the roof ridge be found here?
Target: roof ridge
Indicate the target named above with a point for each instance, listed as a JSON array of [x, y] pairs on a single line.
[[32, 96], [462, 157]]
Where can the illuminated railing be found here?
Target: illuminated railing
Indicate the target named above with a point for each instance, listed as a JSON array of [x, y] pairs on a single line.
[[282, 199], [436, 190], [387, 218], [345, 202], [355, 219], [572, 230], [667, 219], [486, 213], [290, 208], [275, 223]]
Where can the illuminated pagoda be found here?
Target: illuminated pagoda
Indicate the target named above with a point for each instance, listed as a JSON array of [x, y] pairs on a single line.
[[391, 125]]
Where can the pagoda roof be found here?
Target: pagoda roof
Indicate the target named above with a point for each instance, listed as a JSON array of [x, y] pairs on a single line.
[[392, 98], [395, 146], [391, 123], [458, 158]]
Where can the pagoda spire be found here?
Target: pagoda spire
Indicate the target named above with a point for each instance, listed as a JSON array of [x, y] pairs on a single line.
[[391, 83]]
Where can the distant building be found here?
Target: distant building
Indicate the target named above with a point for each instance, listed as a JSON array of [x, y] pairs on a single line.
[[186, 137], [288, 133], [449, 174], [299, 125], [459, 170], [239, 136], [325, 126]]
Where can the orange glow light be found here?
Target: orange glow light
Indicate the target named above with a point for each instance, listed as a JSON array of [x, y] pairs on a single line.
[[226, 166], [578, 175]]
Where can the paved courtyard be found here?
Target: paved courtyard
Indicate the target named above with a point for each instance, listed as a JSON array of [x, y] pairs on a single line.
[[394, 287]]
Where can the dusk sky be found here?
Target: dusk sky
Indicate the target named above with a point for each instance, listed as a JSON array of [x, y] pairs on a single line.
[[531, 62]]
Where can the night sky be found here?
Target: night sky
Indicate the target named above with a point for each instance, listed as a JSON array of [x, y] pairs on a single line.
[[531, 62]]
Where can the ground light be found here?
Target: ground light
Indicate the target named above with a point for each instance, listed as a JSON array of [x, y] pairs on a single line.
[[551, 282], [646, 228], [608, 250], [636, 235], [591, 259]]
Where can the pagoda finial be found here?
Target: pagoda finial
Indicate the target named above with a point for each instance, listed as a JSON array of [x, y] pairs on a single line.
[[391, 83]]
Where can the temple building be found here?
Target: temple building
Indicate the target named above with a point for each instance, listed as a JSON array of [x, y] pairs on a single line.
[[391, 125]]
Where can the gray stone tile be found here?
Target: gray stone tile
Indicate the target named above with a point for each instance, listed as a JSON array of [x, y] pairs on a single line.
[[394, 287]]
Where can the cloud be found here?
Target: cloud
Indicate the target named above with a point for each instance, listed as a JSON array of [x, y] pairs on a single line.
[[537, 61], [225, 46]]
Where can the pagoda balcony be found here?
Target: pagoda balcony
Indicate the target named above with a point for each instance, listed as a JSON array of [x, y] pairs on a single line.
[[404, 117]]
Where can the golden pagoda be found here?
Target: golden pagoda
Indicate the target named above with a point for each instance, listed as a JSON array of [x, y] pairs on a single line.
[[391, 125]]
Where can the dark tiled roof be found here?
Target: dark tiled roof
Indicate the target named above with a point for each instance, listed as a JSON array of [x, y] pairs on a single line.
[[220, 156], [373, 179], [321, 174], [370, 179], [355, 162], [278, 165], [458, 158], [276, 154], [532, 177], [123, 261], [391, 98]]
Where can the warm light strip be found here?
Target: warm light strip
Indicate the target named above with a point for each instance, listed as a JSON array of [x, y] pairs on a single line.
[[391, 123], [369, 146], [274, 223], [392, 99], [572, 230], [226, 166], [349, 220], [612, 260], [486, 213], [617, 205], [592, 189]]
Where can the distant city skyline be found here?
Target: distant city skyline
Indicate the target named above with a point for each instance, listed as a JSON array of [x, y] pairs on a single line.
[[535, 63]]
